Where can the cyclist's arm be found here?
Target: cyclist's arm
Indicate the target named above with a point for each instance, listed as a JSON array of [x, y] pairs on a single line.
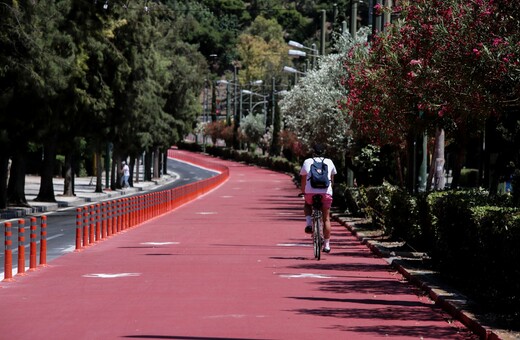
[[303, 182]]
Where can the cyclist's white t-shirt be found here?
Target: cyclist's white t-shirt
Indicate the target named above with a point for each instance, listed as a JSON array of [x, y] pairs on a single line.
[[306, 168]]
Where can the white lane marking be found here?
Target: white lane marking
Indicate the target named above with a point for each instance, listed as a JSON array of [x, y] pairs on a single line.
[[69, 249], [226, 196], [288, 213], [54, 236], [307, 276], [111, 276], [294, 244], [207, 213], [159, 243]]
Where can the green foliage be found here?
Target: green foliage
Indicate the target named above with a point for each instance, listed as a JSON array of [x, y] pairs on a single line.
[[253, 127], [468, 178], [471, 237]]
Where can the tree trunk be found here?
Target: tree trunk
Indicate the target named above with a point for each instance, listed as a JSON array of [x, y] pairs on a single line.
[[137, 168], [99, 172], [400, 169], [4, 175], [68, 176], [411, 168], [156, 166], [148, 166], [113, 184], [46, 193], [440, 179], [436, 174], [16, 185], [457, 164], [165, 162], [132, 167]]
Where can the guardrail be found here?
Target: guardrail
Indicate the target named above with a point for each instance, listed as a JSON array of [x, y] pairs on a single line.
[[97, 222]]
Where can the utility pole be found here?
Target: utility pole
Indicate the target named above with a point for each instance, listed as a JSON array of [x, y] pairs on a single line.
[[323, 31], [353, 19]]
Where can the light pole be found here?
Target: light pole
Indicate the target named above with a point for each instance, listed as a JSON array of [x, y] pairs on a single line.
[[289, 69], [298, 53], [264, 101]]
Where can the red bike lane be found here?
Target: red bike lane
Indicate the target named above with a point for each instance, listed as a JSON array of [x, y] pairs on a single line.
[[233, 264]]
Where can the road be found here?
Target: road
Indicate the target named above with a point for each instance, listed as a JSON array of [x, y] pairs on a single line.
[[61, 225], [233, 264]]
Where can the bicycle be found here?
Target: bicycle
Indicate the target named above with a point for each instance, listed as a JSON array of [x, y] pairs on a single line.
[[317, 226]]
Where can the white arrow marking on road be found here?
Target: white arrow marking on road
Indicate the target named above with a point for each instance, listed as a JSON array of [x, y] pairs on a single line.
[[306, 276], [111, 276]]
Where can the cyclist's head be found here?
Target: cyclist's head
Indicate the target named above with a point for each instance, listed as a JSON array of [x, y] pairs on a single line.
[[318, 149]]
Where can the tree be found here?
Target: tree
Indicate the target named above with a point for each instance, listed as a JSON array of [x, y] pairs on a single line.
[[311, 108], [262, 51], [37, 66], [416, 75], [253, 128]]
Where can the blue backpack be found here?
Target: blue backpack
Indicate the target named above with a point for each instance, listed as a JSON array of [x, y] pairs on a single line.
[[319, 174]]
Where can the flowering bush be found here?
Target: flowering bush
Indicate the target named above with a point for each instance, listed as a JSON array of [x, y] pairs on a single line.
[[445, 65], [311, 108]]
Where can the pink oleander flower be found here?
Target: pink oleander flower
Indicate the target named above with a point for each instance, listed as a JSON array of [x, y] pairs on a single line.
[[497, 41], [476, 52], [378, 9], [415, 62]]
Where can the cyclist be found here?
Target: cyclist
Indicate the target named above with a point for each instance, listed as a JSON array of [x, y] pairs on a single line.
[[326, 193]]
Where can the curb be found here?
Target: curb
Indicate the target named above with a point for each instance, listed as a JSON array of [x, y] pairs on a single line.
[[448, 298]]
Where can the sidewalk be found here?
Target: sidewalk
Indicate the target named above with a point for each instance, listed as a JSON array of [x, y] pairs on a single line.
[[233, 264], [84, 190]]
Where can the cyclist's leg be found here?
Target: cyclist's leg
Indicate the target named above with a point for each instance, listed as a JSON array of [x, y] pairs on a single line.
[[326, 222], [327, 203], [307, 210]]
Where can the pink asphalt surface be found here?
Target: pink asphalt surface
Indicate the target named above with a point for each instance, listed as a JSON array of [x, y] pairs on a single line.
[[233, 264]]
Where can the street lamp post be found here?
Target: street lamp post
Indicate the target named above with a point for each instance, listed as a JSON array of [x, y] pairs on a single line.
[[264, 101], [298, 53]]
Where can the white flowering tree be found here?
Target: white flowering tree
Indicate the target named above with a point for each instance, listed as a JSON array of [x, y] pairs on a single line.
[[311, 109], [253, 128]]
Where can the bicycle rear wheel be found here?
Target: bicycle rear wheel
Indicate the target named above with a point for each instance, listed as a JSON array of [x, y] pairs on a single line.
[[316, 237]]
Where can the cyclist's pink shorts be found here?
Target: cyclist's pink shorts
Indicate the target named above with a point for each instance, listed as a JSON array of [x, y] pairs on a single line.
[[326, 199]]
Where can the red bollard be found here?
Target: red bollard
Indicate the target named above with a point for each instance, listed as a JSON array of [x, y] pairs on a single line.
[[43, 242], [103, 220], [85, 226], [79, 222], [8, 258], [132, 211], [32, 252], [98, 222], [123, 213], [119, 210], [21, 247], [109, 218], [92, 224]]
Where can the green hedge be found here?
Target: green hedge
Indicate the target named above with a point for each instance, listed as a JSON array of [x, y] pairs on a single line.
[[472, 238]]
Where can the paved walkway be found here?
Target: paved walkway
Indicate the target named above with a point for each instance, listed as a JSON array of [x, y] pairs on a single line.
[[234, 264]]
